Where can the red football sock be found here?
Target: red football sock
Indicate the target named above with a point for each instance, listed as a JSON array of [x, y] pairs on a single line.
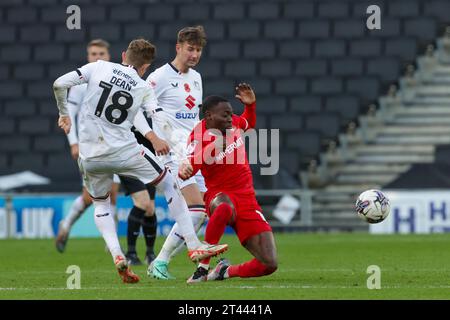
[[216, 225], [252, 268]]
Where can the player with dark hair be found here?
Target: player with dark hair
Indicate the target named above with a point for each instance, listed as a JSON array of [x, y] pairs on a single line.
[[217, 148]]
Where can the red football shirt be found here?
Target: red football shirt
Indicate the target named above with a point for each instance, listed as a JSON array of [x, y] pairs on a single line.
[[224, 168]]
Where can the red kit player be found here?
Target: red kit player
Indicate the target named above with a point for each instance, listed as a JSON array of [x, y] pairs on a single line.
[[217, 149]]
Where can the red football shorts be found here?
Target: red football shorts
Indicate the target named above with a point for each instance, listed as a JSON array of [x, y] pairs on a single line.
[[249, 220]]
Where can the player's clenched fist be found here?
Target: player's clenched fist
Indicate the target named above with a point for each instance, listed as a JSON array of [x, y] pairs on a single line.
[[65, 123], [185, 170], [245, 93]]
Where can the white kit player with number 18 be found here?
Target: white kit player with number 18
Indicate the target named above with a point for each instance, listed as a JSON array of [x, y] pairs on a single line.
[[114, 95]]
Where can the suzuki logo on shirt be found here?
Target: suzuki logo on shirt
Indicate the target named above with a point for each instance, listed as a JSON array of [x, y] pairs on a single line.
[[182, 115], [190, 102]]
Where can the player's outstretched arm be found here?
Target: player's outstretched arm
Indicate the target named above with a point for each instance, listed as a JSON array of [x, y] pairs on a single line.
[[246, 95], [60, 87]]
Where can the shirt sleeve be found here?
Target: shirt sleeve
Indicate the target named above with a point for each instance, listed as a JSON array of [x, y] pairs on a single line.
[[247, 120], [67, 81], [141, 123], [74, 100], [156, 83], [73, 111]]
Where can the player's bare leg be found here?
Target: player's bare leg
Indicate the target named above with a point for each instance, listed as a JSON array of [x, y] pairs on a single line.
[[174, 242], [79, 206], [262, 247]]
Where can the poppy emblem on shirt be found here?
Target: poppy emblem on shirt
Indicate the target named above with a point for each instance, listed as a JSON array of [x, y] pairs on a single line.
[[187, 88]]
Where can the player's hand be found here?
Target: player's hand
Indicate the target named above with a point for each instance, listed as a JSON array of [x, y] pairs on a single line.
[[245, 93], [185, 170], [74, 151], [161, 146], [65, 123]]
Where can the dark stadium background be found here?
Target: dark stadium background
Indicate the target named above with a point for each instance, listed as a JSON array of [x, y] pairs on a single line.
[[320, 76]]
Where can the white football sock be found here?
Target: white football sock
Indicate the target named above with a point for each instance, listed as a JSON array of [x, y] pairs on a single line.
[[179, 210], [115, 216], [198, 217], [75, 212], [105, 224]]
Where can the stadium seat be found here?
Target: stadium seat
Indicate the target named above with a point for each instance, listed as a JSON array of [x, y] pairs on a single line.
[[330, 48], [229, 11], [279, 29], [296, 49], [326, 85], [347, 67], [305, 104], [311, 67], [243, 68], [271, 105], [349, 29], [286, 122], [295, 10], [259, 49], [385, 68], [325, 123], [53, 142], [347, 107], [422, 28], [404, 9], [307, 143], [402, 47], [224, 49], [264, 11], [8, 34], [248, 30], [34, 125], [20, 107], [276, 68], [314, 29], [334, 10]]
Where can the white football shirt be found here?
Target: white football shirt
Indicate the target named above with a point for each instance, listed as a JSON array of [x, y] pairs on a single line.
[[179, 95], [114, 95]]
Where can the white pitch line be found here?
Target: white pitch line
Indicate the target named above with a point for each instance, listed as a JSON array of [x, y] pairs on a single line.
[[226, 287]]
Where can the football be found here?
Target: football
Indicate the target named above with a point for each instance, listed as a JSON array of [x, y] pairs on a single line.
[[373, 206]]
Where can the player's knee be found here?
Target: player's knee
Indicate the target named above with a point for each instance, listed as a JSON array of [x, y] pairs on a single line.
[[225, 211], [145, 205], [150, 209], [271, 266]]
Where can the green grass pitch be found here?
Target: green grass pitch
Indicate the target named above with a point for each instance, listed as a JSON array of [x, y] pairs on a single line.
[[311, 266]]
